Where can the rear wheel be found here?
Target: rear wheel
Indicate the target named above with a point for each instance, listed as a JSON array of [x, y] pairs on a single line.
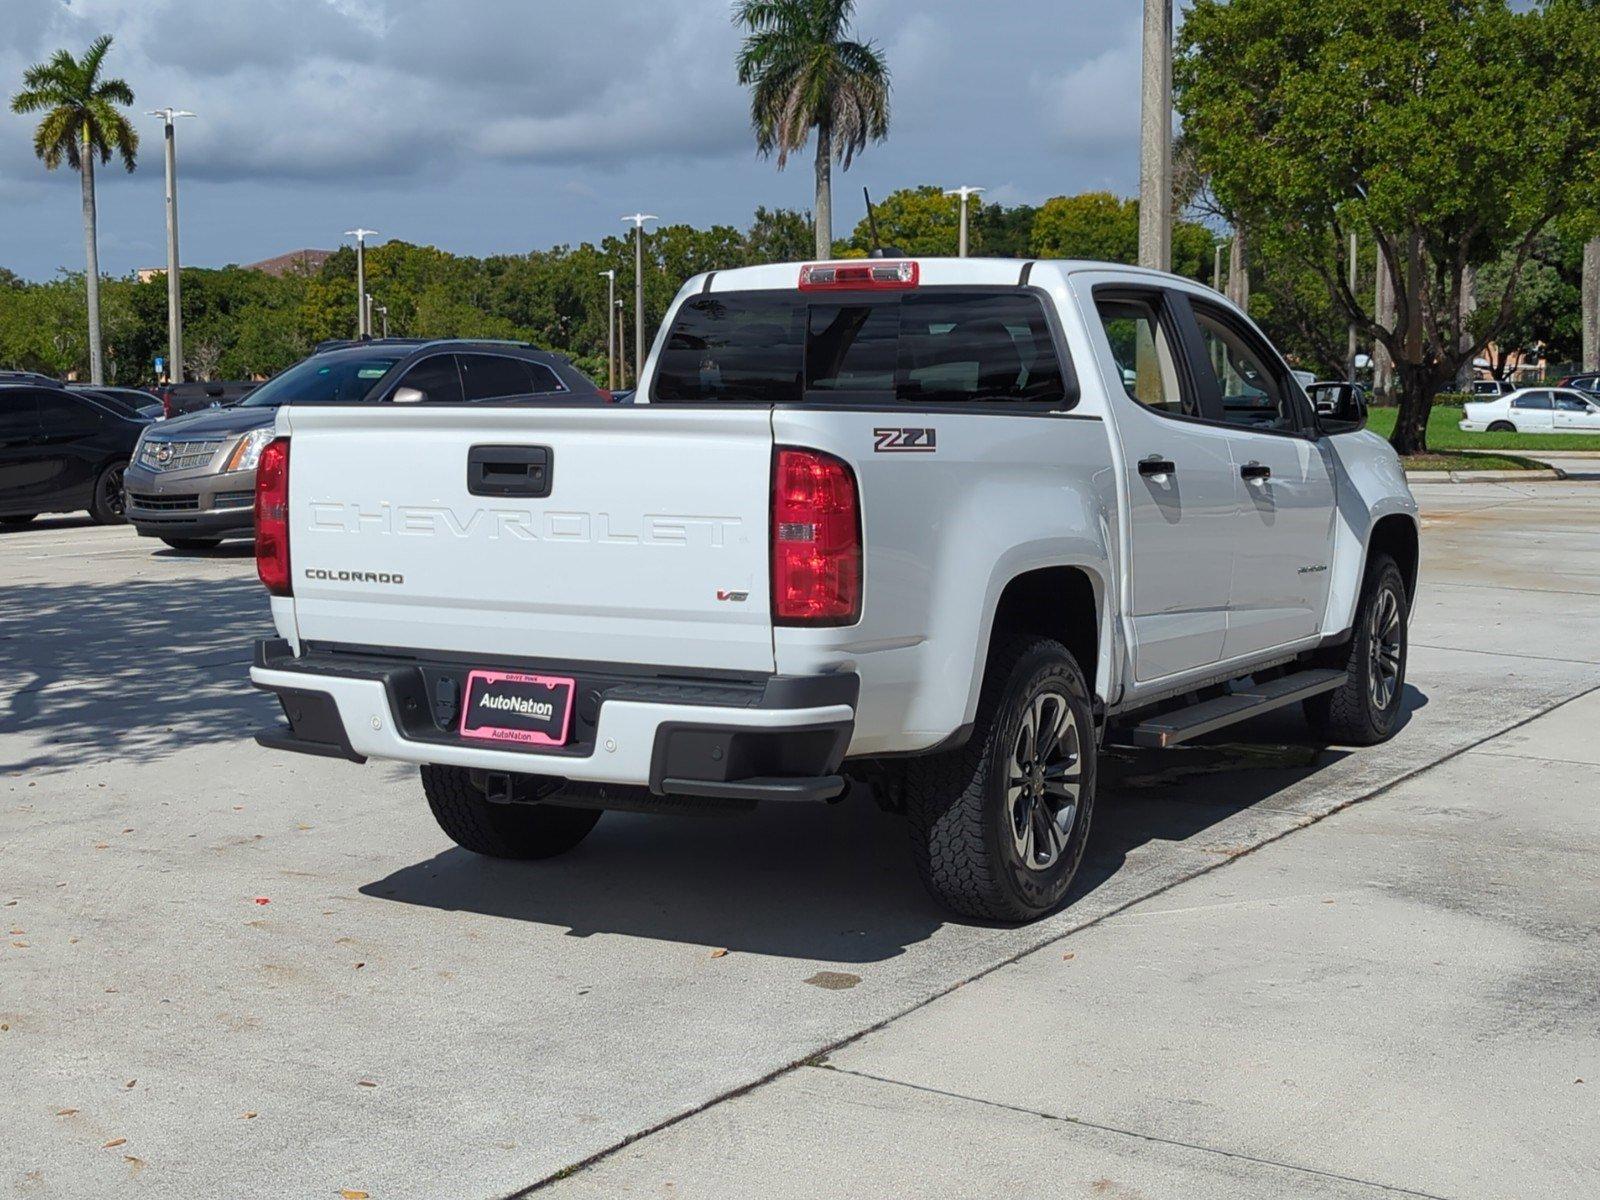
[[192, 543], [16, 522], [1365, 710], [517, 830], [1502, 427], [998, 827], [107, 506]]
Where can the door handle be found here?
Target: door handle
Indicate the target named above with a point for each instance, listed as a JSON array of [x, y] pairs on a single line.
[[509, 471], [1254, 471], [1156, 466]]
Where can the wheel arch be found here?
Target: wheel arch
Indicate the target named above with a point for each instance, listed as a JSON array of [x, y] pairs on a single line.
[[1397, 536], [1063, 600]]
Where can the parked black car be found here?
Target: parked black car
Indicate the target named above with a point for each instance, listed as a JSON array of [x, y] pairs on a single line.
[[134, 401], [179, 398], [192, 482], [29, 377], [61, 451]]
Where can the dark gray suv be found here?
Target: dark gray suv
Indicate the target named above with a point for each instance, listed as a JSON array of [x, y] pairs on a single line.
[[192, 479]]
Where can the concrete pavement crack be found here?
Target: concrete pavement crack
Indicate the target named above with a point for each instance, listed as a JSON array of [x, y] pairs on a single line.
[[1238, 1156]]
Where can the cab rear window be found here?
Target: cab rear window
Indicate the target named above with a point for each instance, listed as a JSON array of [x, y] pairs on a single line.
[[939, 346]]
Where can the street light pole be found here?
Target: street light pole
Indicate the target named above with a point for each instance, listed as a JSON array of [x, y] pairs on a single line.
[[1155, 139], [966, 193], [638, 220], [611, 328], [622, 344], [174, 281], [1353, 347], [361, 236], [1216, 266], [383, 311]]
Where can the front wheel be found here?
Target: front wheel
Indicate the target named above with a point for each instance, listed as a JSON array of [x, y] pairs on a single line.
[[1502, 427], [999, 826], [107, 506], [518, 830], [1365, 710]]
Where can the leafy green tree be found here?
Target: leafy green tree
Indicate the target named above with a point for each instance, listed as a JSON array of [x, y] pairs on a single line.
[[1103, 227], [805, 72], [921, 221], [778, 235], [1004, 232], [1450, 132], [81, 122]]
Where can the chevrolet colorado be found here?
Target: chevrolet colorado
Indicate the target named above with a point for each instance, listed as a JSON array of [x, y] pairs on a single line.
[[936, 529]]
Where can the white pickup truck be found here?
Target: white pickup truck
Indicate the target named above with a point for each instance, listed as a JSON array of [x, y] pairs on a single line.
[[935, 530]]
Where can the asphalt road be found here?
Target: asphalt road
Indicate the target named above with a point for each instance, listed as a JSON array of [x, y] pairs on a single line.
[[402, 1019]]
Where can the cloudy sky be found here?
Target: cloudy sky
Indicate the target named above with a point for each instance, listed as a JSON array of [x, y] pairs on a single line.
[[488, 126]]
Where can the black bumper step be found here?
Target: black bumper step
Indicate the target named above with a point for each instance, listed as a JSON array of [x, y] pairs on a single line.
[[1250, 700]]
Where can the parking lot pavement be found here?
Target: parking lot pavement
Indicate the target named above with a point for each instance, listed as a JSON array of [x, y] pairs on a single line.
[[1399, 1000], [404, 1019]]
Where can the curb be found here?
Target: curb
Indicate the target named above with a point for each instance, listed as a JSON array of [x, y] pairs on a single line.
[[1548, 474]]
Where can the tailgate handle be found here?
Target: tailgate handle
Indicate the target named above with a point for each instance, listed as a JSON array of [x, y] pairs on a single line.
[[509, 470]]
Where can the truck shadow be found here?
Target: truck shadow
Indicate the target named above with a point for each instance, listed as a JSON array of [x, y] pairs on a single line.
[[836, 883], [131, 671]]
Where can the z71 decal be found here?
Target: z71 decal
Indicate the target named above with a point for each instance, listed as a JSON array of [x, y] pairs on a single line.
[[905, 441]]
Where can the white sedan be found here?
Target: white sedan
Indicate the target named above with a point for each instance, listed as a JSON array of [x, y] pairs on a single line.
[[1534, 410]]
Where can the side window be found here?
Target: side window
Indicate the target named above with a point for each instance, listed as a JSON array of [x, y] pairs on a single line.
[[1540, 401], [544, 379], [19, 415], [437, 378], [1571, 404], [62, 415], [976, 347], [1252, 392], [491, 377], [1144, 356]]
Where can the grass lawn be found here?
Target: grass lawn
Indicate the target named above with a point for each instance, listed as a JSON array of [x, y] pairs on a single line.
[[1469, 462], [1443, 435]]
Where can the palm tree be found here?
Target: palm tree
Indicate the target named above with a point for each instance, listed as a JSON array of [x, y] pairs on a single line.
[[805, 73], [81, 120]]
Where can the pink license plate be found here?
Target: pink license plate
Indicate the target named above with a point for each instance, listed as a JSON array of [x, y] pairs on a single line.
[[506, 706]]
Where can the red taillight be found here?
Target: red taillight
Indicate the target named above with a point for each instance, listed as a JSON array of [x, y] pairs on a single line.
[[852, 276], [816, 540], [272, 517]]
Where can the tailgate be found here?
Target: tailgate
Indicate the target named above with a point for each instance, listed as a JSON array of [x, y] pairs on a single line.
[[650, 546]]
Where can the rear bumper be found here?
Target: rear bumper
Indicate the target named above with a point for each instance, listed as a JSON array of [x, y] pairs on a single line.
[[715, 737]]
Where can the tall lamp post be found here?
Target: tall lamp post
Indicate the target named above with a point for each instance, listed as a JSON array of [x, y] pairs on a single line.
[[1155, 139], [361, 236], [611, 328], [383, 311], [638, 220], [174, 283], [966, 193], [622, 344]]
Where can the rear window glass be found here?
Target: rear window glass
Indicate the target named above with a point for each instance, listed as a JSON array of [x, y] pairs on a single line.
[[932, 347]]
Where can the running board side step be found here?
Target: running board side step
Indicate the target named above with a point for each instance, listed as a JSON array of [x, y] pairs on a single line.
[[1251, 700]]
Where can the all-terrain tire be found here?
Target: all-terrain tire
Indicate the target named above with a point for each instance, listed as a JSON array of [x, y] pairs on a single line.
[[1351, 715], [957, 803], [518, 830]]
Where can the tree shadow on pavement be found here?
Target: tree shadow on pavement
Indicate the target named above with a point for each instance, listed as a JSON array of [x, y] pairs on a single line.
[[131, 671], [835, 882]]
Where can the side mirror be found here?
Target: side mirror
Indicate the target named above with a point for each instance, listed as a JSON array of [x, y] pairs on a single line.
[[1345, 414], [408, 395]]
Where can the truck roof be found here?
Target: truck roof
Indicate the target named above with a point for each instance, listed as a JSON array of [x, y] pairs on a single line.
[[933, 270]]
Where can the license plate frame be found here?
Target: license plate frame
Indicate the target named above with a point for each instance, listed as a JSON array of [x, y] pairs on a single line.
[[518, 689]]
